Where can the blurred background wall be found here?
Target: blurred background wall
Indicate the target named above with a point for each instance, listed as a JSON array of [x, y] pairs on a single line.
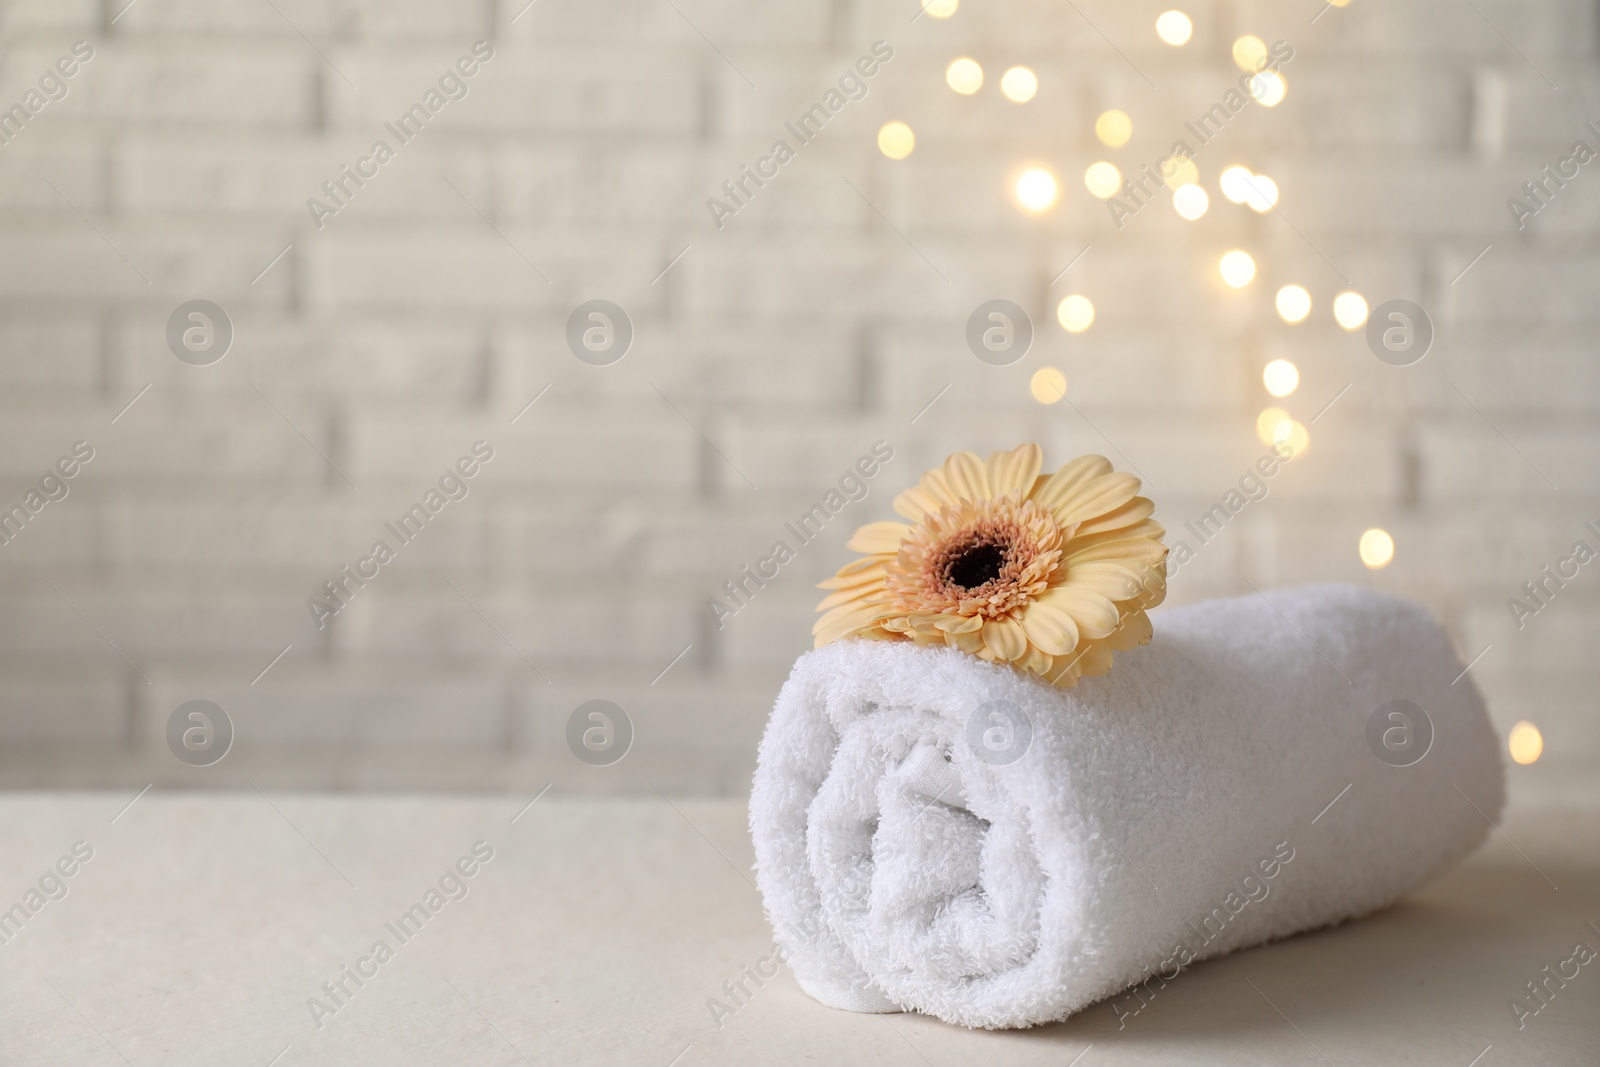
[[374, 345]]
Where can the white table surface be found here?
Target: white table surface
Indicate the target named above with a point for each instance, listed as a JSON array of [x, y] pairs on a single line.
[[600, 930]]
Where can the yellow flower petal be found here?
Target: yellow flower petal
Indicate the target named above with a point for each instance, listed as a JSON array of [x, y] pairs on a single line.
[[1069, 479], [914, 503], [1139, 551], [1064, 671], [842, 621], [1133, 631], [1035, 662], [853, 593], [1005, 638], [1050, 628], [1094, 613], [1105, 493], [859, 575], [1131, 515], [967, 642], [1107, 578], [880, 537], [964, 473], [959, 624], [1014, 471], [1096, 660]]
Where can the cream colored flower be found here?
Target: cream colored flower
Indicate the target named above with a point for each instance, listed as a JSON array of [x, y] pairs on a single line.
[[1050, 574]]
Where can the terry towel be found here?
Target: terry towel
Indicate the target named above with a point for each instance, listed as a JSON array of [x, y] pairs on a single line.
[[940, 834]]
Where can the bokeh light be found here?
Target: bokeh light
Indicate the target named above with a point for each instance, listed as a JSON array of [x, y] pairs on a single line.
[[1525, 742], [1114, 128], [1250, 52], [1269, 88], [1235, 183], [1075, 313], [1179, 170], [896, 140], [1261, 193], [1102, 179], [1291, 439], [964, 75], [1036, 189], [1350, 309], [1190, 201], [1174, 28], [1237, 268], [1272, 424], [1019, 84], [1280, 377], [1293, 303], [940, 9], [1048, 385], [1376, 548]]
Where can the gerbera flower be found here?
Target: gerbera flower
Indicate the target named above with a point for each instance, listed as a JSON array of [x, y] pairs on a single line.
[[1050, 574]]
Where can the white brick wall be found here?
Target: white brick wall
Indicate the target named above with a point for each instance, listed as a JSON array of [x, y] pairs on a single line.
[[429, 312]]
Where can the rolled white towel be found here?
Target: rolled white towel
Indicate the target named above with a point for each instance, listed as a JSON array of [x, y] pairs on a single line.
[[940, 834]]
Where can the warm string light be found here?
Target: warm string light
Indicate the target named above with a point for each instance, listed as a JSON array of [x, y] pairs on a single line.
[[1280, 377], [1350, 310], [1174, 28], [1114, 128], [1376, 549], [1190, 201], [1075, 313], [1036, 189], [1237, 268], [1293, 303], [1102, 179], [1048, 385], [1269, 87], [1525, 742], [1178, 171], [896, 140], [1270, 422], [940, 9], [1241, 186], [964, 75], [1277, 428], [1250, 53], [1019, 84]]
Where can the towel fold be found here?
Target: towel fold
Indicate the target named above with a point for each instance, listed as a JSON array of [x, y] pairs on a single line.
[[940, 834]]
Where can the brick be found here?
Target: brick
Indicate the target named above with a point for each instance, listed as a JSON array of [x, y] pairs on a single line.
[[67, 710], [653, 449], [146, 623], [368, 266], [40, 352], [163, 440], [302, 703], [1512, 459], [36, 159], [724, 22], [62, 264], [350, 19], [144, 82], [328, 357], [30, 15], [601, 184], [596, 92], [555, 623], [275, 176], [304, 541]]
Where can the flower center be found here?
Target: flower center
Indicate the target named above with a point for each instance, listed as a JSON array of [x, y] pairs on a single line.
[[978, 565]]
